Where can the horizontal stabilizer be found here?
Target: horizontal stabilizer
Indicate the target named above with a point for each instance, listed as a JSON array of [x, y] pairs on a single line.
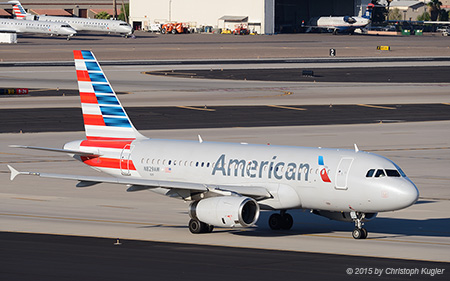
[[81, 153]]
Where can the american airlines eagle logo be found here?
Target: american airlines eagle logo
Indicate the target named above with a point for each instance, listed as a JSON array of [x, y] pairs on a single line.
[[323, 170]]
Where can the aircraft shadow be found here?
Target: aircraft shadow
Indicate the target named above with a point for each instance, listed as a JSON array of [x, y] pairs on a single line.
[[307, 223]]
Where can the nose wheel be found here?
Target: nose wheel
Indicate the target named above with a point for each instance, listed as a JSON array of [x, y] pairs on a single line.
[[281, 221], [359, 232]]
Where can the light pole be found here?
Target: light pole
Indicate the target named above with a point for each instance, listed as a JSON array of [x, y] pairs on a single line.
[[170, 10]]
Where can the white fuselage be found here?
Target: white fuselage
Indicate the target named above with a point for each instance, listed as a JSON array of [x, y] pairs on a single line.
[[94, 25], [296, 177], [41, 27], [339, 23]]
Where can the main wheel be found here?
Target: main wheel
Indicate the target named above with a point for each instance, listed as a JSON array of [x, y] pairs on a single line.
[[275, 221], [287, 221], [195, 226]]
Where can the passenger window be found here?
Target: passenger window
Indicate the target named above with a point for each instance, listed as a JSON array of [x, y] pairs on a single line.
[[380, 173], [370, 173], [392, 173]]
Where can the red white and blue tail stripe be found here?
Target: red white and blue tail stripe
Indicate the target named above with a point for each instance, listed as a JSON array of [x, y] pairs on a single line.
[[104, 117], [18, 10]]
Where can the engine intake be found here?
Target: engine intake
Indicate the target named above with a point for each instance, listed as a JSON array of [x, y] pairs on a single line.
[[227, 211]]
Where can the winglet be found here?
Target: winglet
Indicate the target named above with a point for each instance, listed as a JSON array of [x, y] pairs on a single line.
[[356, 148], [14, 172]]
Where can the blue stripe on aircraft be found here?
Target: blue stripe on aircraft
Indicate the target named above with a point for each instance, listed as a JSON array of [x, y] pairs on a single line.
[[102, 89], [87, 55], [321, 160], [92, 65], [97, 77], [112, 110], [117, 122], [102, 99]]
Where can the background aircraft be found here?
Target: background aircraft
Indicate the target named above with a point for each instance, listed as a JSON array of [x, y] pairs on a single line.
[[228, 183], [36, 27], [343, 24], [79, 24]]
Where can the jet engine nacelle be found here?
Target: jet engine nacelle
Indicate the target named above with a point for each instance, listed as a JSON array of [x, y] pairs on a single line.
[[227, 211], [342, 216]]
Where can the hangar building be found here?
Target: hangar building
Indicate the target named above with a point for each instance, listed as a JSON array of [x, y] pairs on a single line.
[[262, 16]]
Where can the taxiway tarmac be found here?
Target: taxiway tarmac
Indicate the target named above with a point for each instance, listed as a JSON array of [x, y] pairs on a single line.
[[150, 90], [420, 232]]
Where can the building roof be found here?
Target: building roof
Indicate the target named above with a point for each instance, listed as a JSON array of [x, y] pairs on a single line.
[[50, 12], [234, 18], [4, 13], [406, 4]]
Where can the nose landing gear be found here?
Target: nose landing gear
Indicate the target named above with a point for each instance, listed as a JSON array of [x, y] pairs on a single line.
[[359, 232]]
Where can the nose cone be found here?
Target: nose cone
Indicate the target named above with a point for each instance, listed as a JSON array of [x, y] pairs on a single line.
[[68, 31], [407, 194], [126, 29]]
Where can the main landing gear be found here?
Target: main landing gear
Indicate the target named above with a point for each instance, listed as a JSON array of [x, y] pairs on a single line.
[[196, 227], [282, 220], [359, 232]]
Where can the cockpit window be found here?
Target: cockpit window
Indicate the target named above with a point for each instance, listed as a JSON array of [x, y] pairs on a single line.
[[370, 173], [392, 173], [400, 170], [380, 173]]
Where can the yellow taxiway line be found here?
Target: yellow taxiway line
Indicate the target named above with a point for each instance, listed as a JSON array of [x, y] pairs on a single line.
[[287, 107], [376, 106], [196, 108]]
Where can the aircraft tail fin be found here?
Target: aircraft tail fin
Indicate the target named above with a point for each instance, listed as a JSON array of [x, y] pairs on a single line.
[[368, 13], [103, 114], [18, 10]]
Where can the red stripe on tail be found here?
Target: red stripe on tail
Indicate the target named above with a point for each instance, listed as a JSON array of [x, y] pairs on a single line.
[[91, 119], [88, 98], [77, 55], [83, 75]]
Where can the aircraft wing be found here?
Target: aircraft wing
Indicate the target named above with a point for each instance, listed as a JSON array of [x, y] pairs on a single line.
[[143, 184]]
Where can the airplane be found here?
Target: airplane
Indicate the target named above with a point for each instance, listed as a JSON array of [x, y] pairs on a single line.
[[343, 24], [228, 184], [79, 24], [29, 26]]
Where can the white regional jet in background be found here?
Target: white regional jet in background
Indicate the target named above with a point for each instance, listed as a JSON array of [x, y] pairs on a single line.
[[79, 24], [36, 27], [228, 183], [345, 24]]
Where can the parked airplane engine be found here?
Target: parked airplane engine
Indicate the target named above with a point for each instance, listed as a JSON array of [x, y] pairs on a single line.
[[227, 211], [342, 216]]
